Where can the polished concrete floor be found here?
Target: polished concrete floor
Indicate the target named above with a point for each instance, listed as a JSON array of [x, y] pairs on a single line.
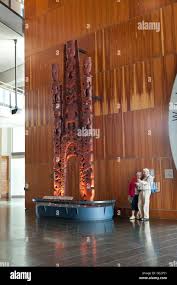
[[27, 241]]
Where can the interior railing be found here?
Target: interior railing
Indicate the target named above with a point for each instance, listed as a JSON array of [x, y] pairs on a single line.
[[15, 5]]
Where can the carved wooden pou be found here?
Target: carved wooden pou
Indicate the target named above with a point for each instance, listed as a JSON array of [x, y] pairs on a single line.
[[72, 106]]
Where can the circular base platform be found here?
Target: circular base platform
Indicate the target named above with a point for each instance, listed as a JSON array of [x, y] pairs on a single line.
[[75, 210]]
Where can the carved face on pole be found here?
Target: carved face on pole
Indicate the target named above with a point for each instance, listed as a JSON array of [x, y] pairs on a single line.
[[88, 65], [70, 49], [54, 72], [55, 88], [87, 83]]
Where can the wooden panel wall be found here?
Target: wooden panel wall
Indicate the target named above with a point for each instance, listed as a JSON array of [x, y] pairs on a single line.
[[133, 72], [4, 176]]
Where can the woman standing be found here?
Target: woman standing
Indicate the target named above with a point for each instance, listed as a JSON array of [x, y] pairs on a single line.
[[145, 185], [133, 194]]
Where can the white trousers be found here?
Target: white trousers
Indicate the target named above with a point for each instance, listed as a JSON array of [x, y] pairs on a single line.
[[143, 203]]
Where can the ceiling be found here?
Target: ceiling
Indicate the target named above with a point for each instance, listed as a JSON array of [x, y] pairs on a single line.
[[7, 37]]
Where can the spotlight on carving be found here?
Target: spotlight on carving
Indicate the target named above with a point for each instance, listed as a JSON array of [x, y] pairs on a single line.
[[88, 26]]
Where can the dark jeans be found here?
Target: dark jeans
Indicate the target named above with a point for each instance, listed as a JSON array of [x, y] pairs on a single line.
[[134, 204]]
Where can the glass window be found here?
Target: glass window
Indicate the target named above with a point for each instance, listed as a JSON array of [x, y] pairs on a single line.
[[4, 97], [13, 99], [17, 6], [20, 100], [1, 96], [5, 2]]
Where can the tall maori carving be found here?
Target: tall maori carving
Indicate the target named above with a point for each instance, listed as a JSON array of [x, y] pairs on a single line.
[[72, 107], [87, 171], [57, 110]]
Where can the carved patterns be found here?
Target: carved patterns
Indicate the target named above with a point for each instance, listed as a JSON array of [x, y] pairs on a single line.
[[87, 175], [57, 109], [73, 111]]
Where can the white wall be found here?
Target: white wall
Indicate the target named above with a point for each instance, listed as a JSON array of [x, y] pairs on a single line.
[[13, 140], [18, 139], [18, 162], [17, 176], [5, 141]]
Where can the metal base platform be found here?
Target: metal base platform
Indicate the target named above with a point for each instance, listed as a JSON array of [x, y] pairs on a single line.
[[75, 210]]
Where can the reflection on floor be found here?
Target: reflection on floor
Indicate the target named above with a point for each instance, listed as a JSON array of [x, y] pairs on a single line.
[[26, 241]]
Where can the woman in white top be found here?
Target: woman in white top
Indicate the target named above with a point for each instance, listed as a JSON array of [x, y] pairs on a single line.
[[145, 192]]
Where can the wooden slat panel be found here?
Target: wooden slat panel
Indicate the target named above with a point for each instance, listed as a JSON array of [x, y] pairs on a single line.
[[175, 24], [78, 14], [113, 136], [99, 144], [168, 25]]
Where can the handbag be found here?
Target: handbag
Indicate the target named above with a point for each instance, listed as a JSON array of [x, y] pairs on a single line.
[[154, 187]]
